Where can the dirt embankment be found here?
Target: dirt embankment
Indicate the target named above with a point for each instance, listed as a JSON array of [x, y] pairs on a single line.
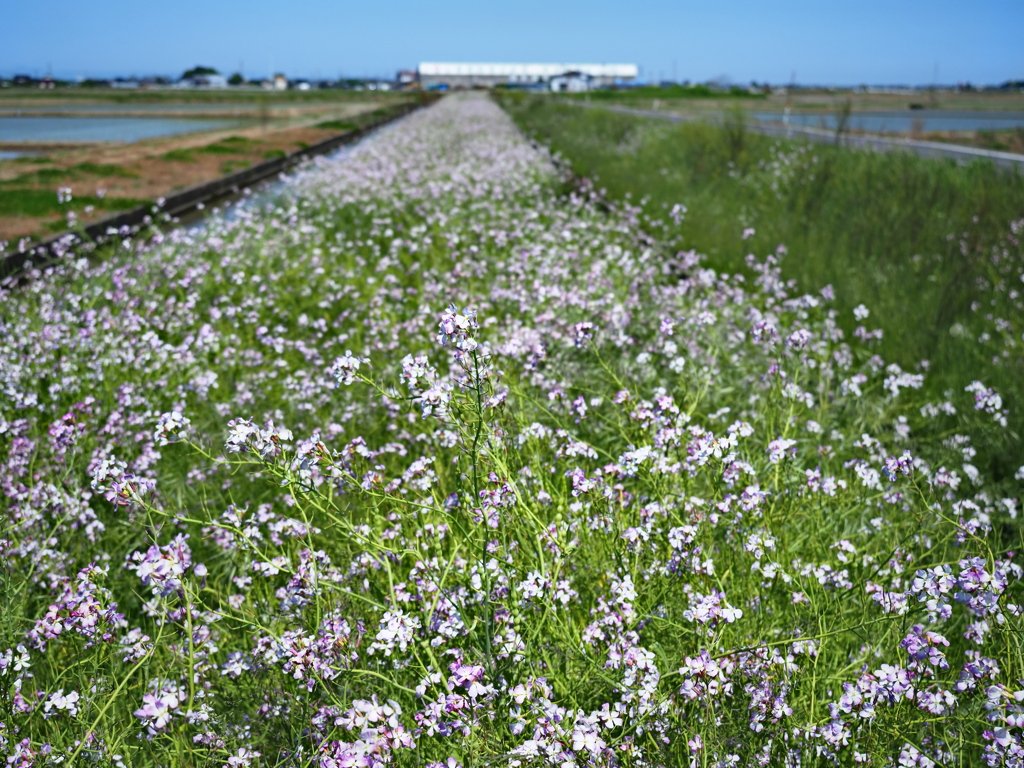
[[1011, 140], [104, 178]]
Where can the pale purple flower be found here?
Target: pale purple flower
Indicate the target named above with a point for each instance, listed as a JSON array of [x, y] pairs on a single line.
[[171, 427], [780, 448], [583, 332], [345, 369], [59, 702], [457, 328], [243, 758]]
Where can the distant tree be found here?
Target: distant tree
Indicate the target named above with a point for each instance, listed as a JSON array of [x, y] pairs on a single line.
[[236, 79], [195, 71]]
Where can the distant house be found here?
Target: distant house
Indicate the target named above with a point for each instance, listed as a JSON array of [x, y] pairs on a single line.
[[571, 82], [204, 81], [280, 82], [406, 76], [31, 82]]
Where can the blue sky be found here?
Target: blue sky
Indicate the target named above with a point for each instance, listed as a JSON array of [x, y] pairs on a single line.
[[823, 42]]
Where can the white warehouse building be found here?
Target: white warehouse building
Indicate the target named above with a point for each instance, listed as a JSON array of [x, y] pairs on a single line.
[[466, 75]]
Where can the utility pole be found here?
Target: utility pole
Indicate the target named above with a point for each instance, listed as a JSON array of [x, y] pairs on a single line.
[[789, 100]]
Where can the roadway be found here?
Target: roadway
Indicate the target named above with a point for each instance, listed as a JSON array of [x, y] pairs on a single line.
[[858, 140]]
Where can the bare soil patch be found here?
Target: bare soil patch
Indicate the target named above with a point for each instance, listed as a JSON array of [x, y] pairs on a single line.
[[108, 177]]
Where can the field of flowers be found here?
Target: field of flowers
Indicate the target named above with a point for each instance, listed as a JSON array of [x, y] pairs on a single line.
[[432, 462], [934, 248]]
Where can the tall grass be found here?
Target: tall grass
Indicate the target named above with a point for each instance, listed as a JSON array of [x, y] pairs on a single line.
[[424, 463], [911, 238]]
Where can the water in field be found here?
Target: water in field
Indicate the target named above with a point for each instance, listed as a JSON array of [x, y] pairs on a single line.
[[272, 189], [906, 121], [156, 108], [6, 155], [128, 129]]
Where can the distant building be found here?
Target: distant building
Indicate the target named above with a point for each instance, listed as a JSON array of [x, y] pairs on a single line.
[[280, 82], [204, 81], [31, 82], [467, 75], [571, 82], [406, 76]]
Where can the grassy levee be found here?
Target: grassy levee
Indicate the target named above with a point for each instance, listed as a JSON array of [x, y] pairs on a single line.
[[925, 244], [125, 176], [425, 463]]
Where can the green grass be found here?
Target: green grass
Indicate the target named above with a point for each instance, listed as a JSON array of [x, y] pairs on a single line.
[[238, 141], [669, 92], [105, 95], [104, 169], [337, 125], [230, 166], [997, 139], [179, 156], [909, 237], [232, 145], [274, 154], [652, 552], [220, 149], [51, 176], [43, 202], [43, 176]]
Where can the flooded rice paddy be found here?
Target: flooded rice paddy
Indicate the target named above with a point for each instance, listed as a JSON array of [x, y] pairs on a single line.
[[88, 129]]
